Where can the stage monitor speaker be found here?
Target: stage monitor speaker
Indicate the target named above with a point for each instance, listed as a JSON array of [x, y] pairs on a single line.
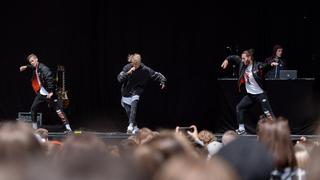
[[26, 117]]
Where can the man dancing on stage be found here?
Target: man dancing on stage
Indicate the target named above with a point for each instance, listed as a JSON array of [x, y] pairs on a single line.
[[44, 86], [251, 74], [134, 77]]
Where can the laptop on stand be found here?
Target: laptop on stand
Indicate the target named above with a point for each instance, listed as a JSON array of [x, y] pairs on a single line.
[[288, 74]]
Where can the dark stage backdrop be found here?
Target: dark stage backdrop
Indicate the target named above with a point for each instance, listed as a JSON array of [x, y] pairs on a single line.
[[185, 41]]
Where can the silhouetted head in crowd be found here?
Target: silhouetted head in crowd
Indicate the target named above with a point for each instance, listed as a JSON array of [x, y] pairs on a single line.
[[150, 156], [206, 136], [144, 135], [53, 148], [228, 136], [276, 136], [302, 155], [18, 142], [188, 168], [249, 158], [129, 144], [262, 121], [43, 134], [312, 168], [79, 146], [114, 151], [86, 156]]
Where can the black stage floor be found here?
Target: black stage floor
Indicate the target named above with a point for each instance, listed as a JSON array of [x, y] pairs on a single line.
[[108, 137], [116, 137]]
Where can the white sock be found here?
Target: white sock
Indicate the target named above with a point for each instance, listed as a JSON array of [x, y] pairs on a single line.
[[131, 125], [241, 127], [34, 125], [68, 127]]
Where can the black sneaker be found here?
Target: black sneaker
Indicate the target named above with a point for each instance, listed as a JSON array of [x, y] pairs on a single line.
[[241, 132]]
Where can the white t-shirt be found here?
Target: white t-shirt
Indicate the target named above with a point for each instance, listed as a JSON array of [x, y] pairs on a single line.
[[43, 91], [252, 86]]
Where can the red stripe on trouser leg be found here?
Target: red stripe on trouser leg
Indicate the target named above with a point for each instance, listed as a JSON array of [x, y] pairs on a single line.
[[62, 117]]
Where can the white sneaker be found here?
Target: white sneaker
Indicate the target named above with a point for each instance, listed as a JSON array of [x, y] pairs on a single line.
[[135, 129], [130, 128]]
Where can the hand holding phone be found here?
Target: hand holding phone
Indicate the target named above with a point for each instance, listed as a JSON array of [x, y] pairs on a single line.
[[185, 129]]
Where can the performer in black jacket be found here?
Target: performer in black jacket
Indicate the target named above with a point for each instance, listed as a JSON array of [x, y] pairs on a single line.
[[44, 86], [277, 56], [134, 77], [251, 75]]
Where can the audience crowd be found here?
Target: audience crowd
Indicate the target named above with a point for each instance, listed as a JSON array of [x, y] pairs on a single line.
[[180, 154]]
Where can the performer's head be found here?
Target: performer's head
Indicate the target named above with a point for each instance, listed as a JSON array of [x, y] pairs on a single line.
[[33, 60], [135, 60], [277, 51], [247, 56], [130, 57]]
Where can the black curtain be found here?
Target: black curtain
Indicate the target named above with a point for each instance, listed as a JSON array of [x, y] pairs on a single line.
[[184, 41]]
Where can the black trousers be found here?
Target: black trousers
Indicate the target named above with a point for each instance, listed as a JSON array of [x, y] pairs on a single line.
[[131, 111], [249, 100], [53, 102]]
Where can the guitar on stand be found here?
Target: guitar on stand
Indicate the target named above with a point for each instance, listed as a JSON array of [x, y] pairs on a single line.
[[62, 93]]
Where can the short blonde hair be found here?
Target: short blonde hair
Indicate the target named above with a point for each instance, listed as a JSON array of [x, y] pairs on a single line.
[[30, 56], [206, 136], [43, 133], [136, 58]]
